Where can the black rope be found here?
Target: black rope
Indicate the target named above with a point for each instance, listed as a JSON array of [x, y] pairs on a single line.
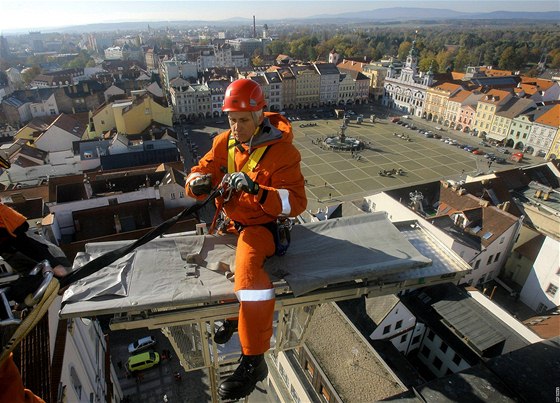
[[107, 258]]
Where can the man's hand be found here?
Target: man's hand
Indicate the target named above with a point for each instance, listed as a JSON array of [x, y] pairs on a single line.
[[201, 185], [241, 181]]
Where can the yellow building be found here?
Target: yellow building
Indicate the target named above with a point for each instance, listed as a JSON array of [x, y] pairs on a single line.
[[437, 98], [486, 110], [33, 129], [131, 116], [308, 81], [555, 147], [101, 120]]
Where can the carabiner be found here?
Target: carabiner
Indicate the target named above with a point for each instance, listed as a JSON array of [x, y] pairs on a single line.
[[48, 275]]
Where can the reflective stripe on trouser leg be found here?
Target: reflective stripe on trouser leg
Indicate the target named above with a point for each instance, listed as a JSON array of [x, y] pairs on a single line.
[[254, 289]]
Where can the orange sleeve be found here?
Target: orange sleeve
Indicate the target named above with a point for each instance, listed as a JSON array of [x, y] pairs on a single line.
[[11, 386], [10, 219]]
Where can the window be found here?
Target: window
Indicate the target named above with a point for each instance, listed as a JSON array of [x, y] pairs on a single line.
[[431, 335], [172, 196], [398, 325], [386, 329], [309, 368], [456, 359], [497, 256], [425, 351], [416, 339], [294, 394], [502, 240], [76, 382], [541, 308], [404, 337], [325, 393], [489, 259], [443, 347], [437, 363], [476, 264], [551, 290]]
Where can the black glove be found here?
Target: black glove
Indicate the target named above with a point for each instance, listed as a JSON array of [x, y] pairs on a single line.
[[241, 181], [201, 185]]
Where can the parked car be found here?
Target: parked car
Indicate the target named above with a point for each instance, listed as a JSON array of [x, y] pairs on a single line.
[[141, 344], [478, 152], [500, 160], [142, 361]]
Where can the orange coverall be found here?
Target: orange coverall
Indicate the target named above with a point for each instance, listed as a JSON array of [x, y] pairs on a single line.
[[11, 387], [281, 194]]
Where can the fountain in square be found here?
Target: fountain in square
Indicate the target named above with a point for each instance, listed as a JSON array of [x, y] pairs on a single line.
[[342, 142]]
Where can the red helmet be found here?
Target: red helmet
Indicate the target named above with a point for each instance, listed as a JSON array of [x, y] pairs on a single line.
[[243, 96]]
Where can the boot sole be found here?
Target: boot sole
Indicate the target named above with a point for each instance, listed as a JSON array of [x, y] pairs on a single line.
[[231, 398]]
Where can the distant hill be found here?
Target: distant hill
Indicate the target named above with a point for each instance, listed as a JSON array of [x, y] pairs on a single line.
[[396, 14], [386, 15], [416, 14]]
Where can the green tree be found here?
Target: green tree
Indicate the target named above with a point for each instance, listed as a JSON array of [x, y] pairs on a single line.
[[507, 58], [554, 59], [257, 61], [444, 60], [29, 74], [427, 61], [79, 61], [404, 49]]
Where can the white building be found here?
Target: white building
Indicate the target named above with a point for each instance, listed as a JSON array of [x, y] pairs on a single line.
[[113, 53], [543, 131], [84, 371], [171, 69], [330, 80], [44, 106], [540, 291], [407, 92], [495, 230]]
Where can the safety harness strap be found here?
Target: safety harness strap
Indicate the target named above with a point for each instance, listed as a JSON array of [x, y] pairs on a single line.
[[254, 158]]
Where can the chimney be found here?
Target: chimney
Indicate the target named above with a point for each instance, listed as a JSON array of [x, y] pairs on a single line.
[[118, 227], [254, 28], [87, 187], [538, 193]]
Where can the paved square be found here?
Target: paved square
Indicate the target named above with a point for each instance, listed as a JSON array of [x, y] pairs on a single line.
[[347, 178]]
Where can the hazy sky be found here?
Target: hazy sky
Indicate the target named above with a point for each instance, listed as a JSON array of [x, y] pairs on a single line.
[[24, 15]]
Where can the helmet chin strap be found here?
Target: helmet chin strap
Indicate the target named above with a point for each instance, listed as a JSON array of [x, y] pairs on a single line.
[[257, 129]]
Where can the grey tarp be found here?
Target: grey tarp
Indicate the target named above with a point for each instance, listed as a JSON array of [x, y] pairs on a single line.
[[185, 270]]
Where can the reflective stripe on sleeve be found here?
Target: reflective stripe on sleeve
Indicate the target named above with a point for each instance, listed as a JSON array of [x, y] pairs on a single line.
[[255, 295], [285, 200], [193, 176]]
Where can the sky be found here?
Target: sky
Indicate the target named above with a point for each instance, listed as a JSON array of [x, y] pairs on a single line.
[[23, 15]]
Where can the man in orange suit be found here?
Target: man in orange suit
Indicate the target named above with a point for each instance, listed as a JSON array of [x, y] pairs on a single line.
[[264, 168]]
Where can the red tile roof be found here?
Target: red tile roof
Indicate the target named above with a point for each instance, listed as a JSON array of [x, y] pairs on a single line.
[[551, 117]]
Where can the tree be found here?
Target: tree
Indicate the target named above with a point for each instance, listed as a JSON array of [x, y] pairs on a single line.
[[427, 61], [554, 59], [444, 60], [404, 49], [257, 61], [29, 74], [507, 59]]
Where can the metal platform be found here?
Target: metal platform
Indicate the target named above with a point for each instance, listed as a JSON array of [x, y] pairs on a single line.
[[190, 292]]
